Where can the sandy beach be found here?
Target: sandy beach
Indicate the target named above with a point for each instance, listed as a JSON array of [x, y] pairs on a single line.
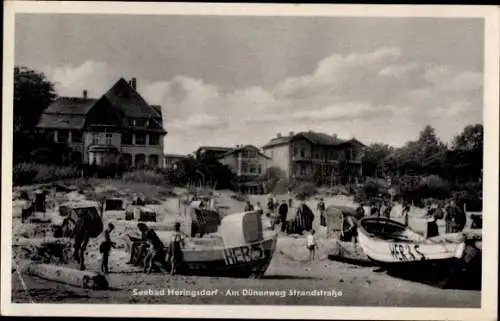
[[287, 279]]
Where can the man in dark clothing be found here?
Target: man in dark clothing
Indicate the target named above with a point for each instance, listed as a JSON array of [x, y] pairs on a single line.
[[283, 212], [455, 218], [105, 248], [387, 209], [321, 209], [156, 250]]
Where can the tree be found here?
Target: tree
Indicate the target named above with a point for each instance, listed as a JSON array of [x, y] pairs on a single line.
[[466, 156], [375, 158], [33, 92]]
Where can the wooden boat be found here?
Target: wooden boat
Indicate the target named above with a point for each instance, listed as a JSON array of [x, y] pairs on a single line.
[[243, 249], [402, 251]]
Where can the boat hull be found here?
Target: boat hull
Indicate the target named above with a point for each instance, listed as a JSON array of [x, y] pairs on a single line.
[[436, 261], [245, 261]]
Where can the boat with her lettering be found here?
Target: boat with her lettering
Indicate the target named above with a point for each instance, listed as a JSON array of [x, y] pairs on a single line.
[[240, 248], [402, 251]]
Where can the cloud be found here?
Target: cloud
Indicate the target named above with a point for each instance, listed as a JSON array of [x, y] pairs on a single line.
[[380, 95], [199, 121], [93, 76]]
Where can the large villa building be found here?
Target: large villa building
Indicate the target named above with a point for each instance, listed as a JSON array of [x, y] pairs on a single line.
[[312, 156], [118, 127]]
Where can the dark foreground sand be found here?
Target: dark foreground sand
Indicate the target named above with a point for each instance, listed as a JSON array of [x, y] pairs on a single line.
[[359, 286]]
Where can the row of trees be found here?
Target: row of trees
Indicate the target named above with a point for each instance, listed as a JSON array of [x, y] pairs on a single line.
[[460, 162]]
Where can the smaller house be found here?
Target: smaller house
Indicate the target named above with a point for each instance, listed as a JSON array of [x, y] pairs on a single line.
[[248, 163], [172, 159]]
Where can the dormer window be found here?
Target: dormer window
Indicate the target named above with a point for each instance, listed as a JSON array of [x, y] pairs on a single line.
[[140, 122]]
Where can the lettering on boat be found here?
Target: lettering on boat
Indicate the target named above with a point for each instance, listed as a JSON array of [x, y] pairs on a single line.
[[244, 254], [406, 252]]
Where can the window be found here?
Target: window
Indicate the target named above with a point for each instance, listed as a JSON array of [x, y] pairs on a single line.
[[140, 139], [316, 155], [95, 138], [140, 122], [295, 151], [147, 123], [62, 136], [153, 160], [140, 160], [154, 139], [109, 139], [127, 139], [244, 167], [259, 169], [302, 152], [132, 121], [76, 136], [253, 169]]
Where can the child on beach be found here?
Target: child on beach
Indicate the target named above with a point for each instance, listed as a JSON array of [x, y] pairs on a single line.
[[105, 248], [311, 245]]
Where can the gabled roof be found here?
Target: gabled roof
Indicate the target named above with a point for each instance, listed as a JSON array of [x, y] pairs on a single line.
[[61, 121], [157, 108], [314, 137], [241, 148], [128, 100], [319, 138], [70, 106], [277, 141]]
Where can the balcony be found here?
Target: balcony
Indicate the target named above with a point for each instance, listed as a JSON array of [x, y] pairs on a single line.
[[299, 158]]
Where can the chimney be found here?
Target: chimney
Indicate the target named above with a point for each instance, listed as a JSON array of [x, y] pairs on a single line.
[[133, 83], [278, 135], [291, 133], [85, 94]]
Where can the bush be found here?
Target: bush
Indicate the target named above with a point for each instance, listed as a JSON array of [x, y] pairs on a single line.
[[146, 176], [370, 189], [30, 173], [427, 188], [304, 190]]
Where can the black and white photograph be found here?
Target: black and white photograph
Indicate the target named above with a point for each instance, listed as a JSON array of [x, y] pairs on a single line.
[[249, 158]]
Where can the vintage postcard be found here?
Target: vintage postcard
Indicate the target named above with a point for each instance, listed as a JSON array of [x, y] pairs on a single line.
[[250, 160]]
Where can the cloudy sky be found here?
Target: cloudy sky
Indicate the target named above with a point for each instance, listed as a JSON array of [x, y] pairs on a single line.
[[241, 80]]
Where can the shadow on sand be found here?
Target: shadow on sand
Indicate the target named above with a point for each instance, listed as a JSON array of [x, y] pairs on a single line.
[[286, 277]]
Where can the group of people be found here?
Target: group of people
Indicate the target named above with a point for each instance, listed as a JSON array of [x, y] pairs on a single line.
[[151, 247], [455, 217]]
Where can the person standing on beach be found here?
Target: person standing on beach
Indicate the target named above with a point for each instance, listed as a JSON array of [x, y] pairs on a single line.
[[406, 212], [271, 204], [290, 198], [105, 248], [311, 245], [283, 212], [321, 208], [387, 209], [175, 249], [455, 218]]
